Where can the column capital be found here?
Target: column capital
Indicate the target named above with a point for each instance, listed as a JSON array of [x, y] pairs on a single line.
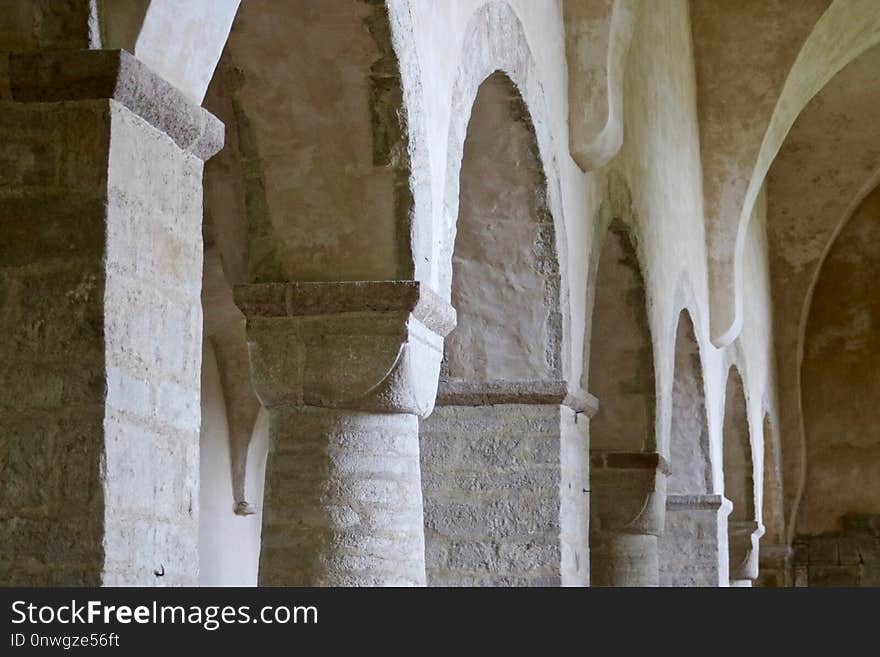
[[80, 75], [628, 491], [775, 561], [371, 346], [742, 539]]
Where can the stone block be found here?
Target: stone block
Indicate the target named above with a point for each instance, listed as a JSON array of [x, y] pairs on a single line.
[[834, 576], [823, 550]]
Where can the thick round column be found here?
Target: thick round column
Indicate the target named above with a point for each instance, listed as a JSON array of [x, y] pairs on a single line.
[[505, 475], [345, 370], [343, 500], [619, 559]]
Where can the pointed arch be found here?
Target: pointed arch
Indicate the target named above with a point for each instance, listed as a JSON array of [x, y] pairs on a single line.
[[689, 450], [501, 392], [621, 372], [739, 480], [495, 41], [627, 473], [505, 280], [743, 527], [690, 552]]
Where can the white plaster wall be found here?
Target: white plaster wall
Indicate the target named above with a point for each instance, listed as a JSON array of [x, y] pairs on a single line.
[[439, 31], [229, 545], [757, 359], [660, 160]]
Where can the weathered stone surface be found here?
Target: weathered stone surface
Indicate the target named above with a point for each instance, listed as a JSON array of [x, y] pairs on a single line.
[[352, 159], [56, 76], [492, 393], [344, 383], [847, 558], [506, 499], [101, 306], [386, 359], [691, 549], [627, 513], [775, 565]]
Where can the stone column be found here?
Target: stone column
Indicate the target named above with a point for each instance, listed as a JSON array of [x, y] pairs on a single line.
[[100, 276], [505, 480], [627, 509], [344, 370], [742, 542], [774, 566], [691, 548]]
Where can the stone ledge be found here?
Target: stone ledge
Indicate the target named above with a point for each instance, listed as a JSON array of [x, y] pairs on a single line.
[[745, 527], [775, 553], [629, 461], [334, 298], [57, 76], [496, 392], [706, 502]]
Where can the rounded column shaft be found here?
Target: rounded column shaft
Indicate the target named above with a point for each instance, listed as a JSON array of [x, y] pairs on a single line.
[[627, 512], [345, 370], [343, 500]]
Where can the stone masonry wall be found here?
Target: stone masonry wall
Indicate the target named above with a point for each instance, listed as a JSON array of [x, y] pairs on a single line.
[[343, 495], [153, 335], [100, 268], [847, 558]]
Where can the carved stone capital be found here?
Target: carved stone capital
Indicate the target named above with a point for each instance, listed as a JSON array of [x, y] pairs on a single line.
[[628, 492], [742, 542], [53, 76], [369, 346]]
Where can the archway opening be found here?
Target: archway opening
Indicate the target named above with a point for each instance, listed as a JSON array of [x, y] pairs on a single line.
[[621, 351], [690, 467], [689, 552], [505, 280], [626, 472], [838, 523], [491, 449], [312, 185], [775, 553], [739, 484]]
